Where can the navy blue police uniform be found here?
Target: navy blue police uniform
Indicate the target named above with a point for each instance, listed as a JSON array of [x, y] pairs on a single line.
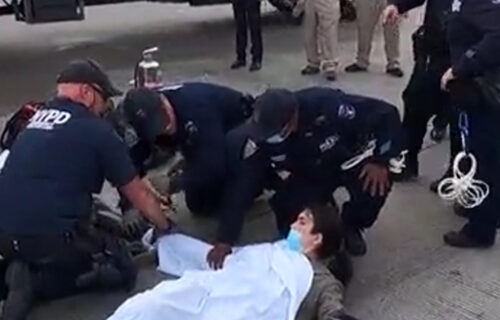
[[474, 36], [333, 127], [423, 97], [204, 114], [56, 164]]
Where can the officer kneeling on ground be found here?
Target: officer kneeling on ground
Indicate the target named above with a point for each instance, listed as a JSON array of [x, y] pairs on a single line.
[[192, 118], [305, 145], [55, 165]]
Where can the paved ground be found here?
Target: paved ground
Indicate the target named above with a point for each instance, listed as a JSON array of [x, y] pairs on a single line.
[[407, 275]]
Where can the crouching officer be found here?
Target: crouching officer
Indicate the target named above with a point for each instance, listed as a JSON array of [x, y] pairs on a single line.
[[46, 187], [192, 118], [304, 145]]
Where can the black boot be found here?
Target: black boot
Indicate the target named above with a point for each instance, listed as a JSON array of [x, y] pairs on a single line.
[[19, 279], [354, 242], [462, 240]]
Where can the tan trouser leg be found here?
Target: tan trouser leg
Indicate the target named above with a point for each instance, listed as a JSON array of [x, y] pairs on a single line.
[[328, 15], [368, 14], [391, 38], [311, 34]]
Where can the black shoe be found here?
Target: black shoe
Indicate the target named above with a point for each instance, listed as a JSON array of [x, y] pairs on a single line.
[[255, 66], [461, 240], [353, 68], [20, 298], [395, 72], [238, 64], [331, 75], [354, 242], [438, 134], [309, 70]]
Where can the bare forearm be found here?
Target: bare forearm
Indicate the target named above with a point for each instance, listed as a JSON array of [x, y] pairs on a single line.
[[142, 199]]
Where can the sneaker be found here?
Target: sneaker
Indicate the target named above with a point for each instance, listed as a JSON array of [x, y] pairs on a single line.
[[353, 68], [395, 72], [255, 66], [461, 240], [331, 75], [309, 70], [354, 242], [238, 64], [20, 298]]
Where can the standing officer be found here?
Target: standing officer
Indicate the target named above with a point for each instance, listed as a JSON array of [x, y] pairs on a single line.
[[46, 187], [473, 80], [247, 17], [423, 97], [192, 118], [321, 37], [368, 15], [304, 146]]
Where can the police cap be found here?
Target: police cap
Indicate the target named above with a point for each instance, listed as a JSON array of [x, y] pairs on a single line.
[[144, 109], [272, 111], [88, 72]]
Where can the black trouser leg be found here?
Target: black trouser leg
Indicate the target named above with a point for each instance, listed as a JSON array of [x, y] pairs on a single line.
[[484, 142], [362, 210], [255, 24], [203, 200], [240, 17], [416, 115]]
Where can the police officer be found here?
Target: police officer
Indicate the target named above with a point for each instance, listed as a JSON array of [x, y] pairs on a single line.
[[247, 17], [55, 165], [192, 118], [474, 34], [304, 145], [423, 97]]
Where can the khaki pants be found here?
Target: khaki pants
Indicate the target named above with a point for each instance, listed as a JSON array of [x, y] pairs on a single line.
[[321, 36], [368, 15]]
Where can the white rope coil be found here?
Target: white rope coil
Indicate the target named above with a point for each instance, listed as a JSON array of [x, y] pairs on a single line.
[[462, 187]]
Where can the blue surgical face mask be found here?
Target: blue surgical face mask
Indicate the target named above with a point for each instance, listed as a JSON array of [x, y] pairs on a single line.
[[293, 241]]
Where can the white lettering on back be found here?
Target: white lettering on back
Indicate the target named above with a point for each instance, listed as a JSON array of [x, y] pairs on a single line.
[[46, 119]]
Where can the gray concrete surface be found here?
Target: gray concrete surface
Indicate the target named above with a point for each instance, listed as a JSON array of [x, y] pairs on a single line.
[[408, 274]]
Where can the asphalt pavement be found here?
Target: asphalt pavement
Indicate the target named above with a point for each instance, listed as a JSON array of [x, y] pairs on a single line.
[[408, 273]]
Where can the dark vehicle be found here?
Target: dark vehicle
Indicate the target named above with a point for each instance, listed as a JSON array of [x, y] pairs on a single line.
[[36, 11]]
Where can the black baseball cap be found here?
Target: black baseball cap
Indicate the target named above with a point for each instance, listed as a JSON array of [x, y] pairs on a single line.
[[272, 111], [144, 109], [88, 72]]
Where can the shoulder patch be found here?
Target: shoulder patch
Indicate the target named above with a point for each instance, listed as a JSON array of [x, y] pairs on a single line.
[[346, 111], [249, 149]]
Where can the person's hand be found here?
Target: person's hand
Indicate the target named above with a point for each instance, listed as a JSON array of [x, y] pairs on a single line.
[[217, 255], [134, 225], [446, 78], [390, 15], [375, 179]]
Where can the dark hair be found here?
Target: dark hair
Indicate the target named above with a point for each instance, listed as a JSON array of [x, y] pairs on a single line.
[[327, 222]]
